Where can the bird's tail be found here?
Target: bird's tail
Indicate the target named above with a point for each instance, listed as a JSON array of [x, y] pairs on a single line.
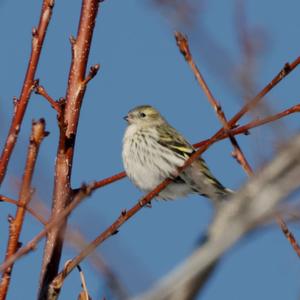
[[204, 182]]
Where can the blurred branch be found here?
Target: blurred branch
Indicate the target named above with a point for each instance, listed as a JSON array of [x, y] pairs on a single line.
[[16, 223], [184, 48], [77, 83], [38, 36], [29, 209], [247, 210], [76, 239], [55, 221], [183, 45], [113, 229]]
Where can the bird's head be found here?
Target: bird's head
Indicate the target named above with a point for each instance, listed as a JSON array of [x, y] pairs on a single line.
[[144, 115]]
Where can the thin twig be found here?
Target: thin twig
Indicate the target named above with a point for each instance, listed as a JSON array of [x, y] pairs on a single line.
[[40, 90], [56, 221], [125, 215], [183, 45], [76, 239], [288, 67], [84, 294], [109, 180], [288, 234], [77, 83], [16, 223], [236, 131], [38, 36], [244, 129], [29, 209], [250, 206]]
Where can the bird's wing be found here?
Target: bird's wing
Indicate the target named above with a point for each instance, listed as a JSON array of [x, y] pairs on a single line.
[[170, 138], [198, 171]]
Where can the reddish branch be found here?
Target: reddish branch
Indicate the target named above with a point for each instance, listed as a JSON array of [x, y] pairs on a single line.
[[83, 192], [255, 123], [288, 234], [30, 210], [63, 193], [56, 221], [238, 154], [41, 91], [238, 130], [125, 215], [113, 229], [183, 45], [16, 223], [109, 180], [38, 35]]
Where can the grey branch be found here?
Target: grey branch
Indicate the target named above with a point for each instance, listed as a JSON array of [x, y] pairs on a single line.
[[247, 210]]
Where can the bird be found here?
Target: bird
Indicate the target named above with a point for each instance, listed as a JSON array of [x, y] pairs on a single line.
[[153, 150]]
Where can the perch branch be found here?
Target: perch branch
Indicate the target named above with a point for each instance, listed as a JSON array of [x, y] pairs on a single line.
[[253, 204]]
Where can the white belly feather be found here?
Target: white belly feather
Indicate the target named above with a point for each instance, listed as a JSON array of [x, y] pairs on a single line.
[[147, 163]]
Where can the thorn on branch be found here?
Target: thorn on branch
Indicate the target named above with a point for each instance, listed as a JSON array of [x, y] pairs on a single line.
[[123, 212], [182, 43], [19, 245], [115, 232]]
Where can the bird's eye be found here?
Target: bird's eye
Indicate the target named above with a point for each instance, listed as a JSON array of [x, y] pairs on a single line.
[[142, 115]]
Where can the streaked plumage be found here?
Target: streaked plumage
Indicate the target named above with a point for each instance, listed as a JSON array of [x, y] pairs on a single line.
[[153, 151]]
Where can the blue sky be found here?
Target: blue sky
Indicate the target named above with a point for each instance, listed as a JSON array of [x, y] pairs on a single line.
[[140, 64]]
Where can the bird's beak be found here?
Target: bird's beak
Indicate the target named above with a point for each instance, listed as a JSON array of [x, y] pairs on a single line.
[[125, 118]]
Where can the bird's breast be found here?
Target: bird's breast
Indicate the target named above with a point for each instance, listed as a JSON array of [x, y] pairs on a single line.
[[146, 162]]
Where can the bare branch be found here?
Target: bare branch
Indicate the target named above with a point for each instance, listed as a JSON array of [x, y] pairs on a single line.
[[183, 45], [38, 36], [41, 91], [244, 129], [62, 194], [246, 210], [56, 221], [255, 123], [29, 209], [16, 223]]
